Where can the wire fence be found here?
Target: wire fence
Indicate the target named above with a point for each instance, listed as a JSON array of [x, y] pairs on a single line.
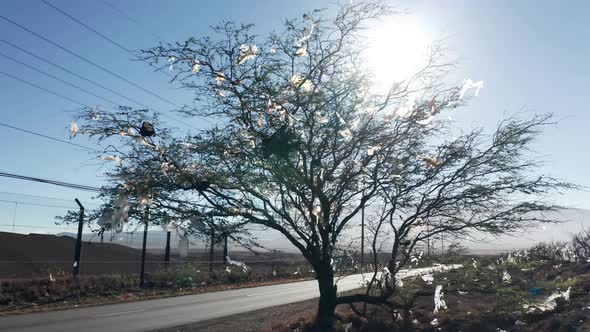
[[33, 244]]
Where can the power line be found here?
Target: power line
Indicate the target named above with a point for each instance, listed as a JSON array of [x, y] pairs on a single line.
[[35, 204], [117, 45], [72, 73], [89, 61], [35, 196], [100, 34], [48, 137], [90, 28], [53, 182], [58, 79], [112, 42], [41, 88], [124, 14], [81, 77]]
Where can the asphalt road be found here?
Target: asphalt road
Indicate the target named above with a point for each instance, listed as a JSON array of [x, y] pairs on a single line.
[[175, 311]]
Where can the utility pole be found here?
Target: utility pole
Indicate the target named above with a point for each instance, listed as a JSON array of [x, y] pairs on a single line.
[[14, 216], [78, 249], [146, 216]]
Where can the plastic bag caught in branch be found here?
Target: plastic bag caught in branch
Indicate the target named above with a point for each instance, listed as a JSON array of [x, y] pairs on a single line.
[[320, 118], [116, 159], [129, 132], [121, 212], [196, 67], [346, 134], [171, 60], [247, 52], [373, 149], [74, 129], [306, 35], [468, 85], [302, 51], [219, 79], [300, 81], [431, 161], [106, 219]]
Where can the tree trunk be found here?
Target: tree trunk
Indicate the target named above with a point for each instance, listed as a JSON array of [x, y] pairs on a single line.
[[327, 303]]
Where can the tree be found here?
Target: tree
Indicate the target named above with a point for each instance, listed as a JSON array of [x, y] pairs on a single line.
[[143, 172], [301, 143]]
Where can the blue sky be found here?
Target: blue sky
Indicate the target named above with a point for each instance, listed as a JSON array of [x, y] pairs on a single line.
[[532, 56]]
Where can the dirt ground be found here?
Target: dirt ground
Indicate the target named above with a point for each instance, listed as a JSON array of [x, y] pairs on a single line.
[[253, 321], [477, 300]]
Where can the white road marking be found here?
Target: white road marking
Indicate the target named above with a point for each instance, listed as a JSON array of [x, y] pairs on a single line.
[[121, 313]]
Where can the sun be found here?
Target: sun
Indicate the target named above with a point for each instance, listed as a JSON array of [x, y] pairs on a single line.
[[397, 49]]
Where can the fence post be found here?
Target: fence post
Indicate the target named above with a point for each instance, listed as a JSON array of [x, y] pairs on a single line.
[[78, 249], [211, 251], [225, 247], [167, 252], [362, 237], [146, 216]]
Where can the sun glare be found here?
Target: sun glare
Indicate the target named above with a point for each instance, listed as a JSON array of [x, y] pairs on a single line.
[[397, 50]]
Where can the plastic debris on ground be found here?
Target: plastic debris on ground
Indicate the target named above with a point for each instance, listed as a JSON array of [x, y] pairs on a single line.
[[439, 303], [348, 327], [428, 278], [236, 263], [506, 278], [550, 303], [536, 291], [399, 283]]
